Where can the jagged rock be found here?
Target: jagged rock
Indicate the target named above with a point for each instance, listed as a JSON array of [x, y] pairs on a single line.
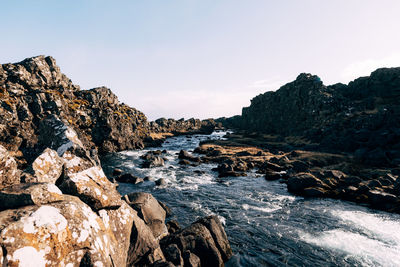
[[56, 135], [361, 117], [35, 88], [272, 176], [269, 166], [217, 231], [129, 178], [9, 173], [300, 181], [168, 211], [47, 167], [150, 210], [56, 234], [191, 260], [173, 226], [144, 248], [173, 255], [205, 238], [20, 195], [120, 223], [88, 183], [161, 181], [382, 200], [152, 159]]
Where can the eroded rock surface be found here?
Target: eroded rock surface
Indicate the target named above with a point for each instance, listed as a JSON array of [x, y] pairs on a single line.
[[35, 88], [205, 238], [9, 173], [150, 210], [48, 166]]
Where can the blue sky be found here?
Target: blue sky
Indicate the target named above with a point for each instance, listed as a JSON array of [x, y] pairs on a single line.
[[202, 58]]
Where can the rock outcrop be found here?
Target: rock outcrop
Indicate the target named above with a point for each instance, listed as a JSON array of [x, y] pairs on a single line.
[[361, 117], [182, 126], [57, 207], [35, 88]]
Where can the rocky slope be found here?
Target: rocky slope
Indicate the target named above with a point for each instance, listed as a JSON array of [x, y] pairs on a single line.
[[35, 87], [57, 207], [361, 117]]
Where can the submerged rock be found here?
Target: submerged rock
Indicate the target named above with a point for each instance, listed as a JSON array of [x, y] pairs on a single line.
[[152, 159]]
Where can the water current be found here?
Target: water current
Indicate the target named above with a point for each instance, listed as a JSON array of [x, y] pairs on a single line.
[[266, 225]]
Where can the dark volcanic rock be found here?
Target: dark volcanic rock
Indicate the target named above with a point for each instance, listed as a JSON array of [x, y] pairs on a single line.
[[205, 238], [35, 87], [178, 127], [187, 156], [152, 159], [150, 210], [361, 117]]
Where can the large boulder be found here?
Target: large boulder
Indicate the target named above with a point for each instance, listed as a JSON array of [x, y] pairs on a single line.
[[20, 195], [150, 210], [90, 185], [48, 166], [206, 239], [152, 159], [119, 222], [297, 183], [144, 249], [56, 234], [9, 173]]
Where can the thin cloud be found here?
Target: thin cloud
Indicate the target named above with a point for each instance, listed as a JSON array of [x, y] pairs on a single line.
[[365, 67], [267, 85]]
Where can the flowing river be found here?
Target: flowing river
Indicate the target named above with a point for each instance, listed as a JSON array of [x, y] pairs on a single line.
[[265, 224]]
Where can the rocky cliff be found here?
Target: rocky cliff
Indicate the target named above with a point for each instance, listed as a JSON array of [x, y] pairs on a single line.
[[361, 117], [57, 207], [35, 88]]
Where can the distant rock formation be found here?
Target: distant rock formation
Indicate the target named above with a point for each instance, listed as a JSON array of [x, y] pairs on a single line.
[[35, 88], [162, 128], [361, 117], [190, 126]]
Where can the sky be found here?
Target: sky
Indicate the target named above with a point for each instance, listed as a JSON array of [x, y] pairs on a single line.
[[202, 58]]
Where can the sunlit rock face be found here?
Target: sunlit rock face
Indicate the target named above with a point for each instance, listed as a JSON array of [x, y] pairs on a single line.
[[57, 207], [35, 88]]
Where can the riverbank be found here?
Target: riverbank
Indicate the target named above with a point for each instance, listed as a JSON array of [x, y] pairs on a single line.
[[57, 207], [307, 172], [265, 224]]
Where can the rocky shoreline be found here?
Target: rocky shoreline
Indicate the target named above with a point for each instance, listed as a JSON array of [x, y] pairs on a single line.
[[57, 206], [307, 173]]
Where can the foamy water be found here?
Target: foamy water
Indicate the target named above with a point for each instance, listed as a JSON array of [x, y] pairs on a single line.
[[266, 225]]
